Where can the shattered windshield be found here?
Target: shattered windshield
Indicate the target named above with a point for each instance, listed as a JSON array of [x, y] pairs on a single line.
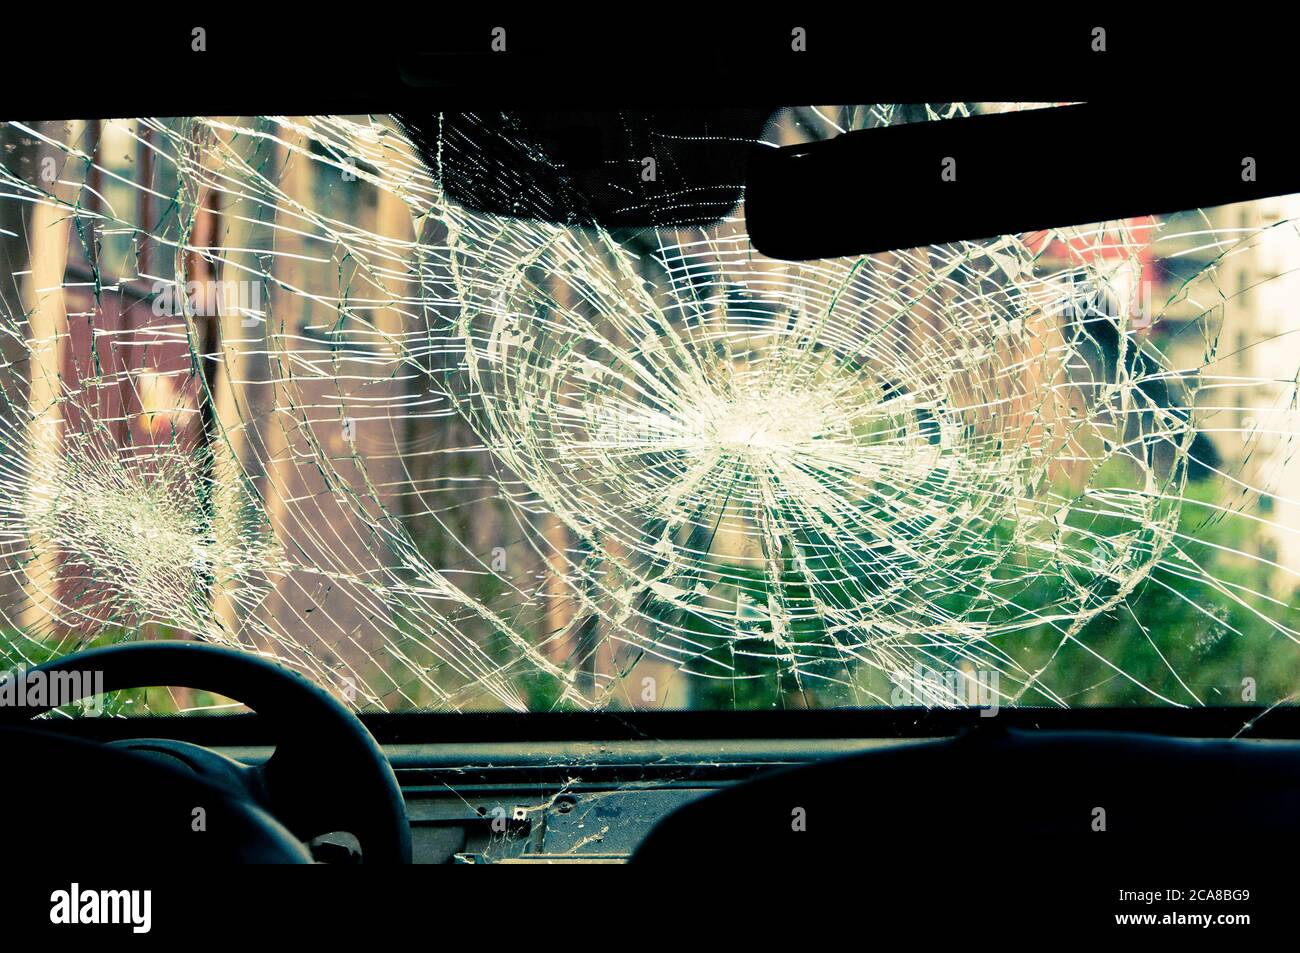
[[264, 383]]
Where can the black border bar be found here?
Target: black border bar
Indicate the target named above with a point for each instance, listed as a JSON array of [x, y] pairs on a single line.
[[404, 58]]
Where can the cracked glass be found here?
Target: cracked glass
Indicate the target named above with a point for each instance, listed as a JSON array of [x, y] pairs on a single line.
[[263, 383]]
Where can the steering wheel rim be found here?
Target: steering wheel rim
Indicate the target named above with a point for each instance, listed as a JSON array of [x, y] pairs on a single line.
[[311, 729]]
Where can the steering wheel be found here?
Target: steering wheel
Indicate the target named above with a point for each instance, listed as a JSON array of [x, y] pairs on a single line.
[[327, 773]]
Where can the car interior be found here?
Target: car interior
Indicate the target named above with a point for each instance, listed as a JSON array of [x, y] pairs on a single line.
[[729, 476]]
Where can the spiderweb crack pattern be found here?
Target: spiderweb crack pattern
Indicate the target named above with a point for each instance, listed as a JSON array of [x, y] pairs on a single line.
[[441, 458]]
